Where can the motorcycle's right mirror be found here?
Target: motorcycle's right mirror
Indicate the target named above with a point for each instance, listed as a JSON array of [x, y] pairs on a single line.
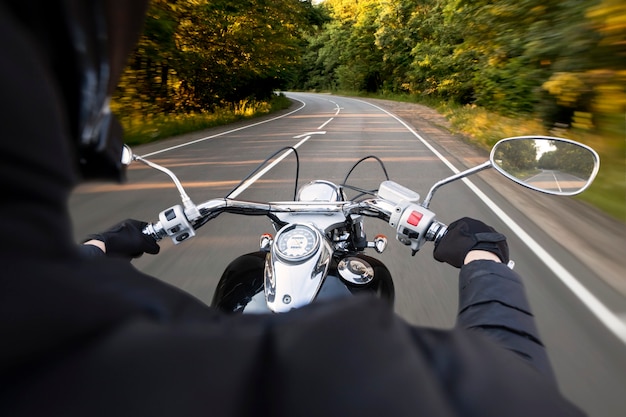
[[547, 164]]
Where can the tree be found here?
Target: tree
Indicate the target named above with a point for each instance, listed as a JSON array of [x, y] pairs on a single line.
[[517, 156], [233, 51], [568, 159], [440, 66], [196, 54], [149, 78]]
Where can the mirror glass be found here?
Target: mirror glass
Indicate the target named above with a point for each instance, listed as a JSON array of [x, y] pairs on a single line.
[[551, 165], [127, 155]]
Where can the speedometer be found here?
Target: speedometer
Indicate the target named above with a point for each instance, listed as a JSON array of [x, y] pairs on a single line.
[[297, 242]]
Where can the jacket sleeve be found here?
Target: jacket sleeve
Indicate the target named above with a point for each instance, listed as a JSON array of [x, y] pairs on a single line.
[[89, 251], [492, 301]]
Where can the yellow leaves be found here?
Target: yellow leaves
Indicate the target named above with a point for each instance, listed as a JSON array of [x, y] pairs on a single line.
[[197, 2], [425, 62], [487, 127], [610, 16], [501, 10], [608, 87], [610, 98], [583, 120], [350, 10], [567, 87], [541, 9]]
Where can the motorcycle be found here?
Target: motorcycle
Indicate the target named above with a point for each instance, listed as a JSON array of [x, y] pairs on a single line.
[[318, 250]]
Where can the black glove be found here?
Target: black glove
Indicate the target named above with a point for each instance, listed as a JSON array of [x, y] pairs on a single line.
[[126, 239], [468, 234]]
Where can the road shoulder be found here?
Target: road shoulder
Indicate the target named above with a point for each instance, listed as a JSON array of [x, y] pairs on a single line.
[[595, 238]]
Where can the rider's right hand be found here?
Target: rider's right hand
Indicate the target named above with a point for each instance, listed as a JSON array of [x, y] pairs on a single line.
[[127, 240], [465, 235]]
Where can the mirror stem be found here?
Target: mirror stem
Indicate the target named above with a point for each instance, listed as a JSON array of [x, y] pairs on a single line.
[[455, 177], [191, 211]]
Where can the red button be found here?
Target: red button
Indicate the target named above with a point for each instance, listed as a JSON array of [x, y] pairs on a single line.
[[414, 218]]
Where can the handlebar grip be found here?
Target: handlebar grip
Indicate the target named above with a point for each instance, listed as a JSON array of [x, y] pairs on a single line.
[[155, 230], [436, 231]]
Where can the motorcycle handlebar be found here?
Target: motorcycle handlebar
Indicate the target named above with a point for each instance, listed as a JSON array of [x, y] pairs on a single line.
[[212, 208], [173, 222]]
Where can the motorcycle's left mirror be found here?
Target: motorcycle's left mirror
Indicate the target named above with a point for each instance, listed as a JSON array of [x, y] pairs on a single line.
[[550, 165], [127, 155]]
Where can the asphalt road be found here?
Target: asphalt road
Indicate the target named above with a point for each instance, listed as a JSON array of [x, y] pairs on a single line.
[[588, 357], [556, 181]]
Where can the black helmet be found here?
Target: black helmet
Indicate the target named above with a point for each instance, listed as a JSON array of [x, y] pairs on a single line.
[[87, 43]]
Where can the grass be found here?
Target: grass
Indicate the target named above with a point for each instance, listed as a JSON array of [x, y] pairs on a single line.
[[608, 191], [478, 125], [145, 128], [485, 128]]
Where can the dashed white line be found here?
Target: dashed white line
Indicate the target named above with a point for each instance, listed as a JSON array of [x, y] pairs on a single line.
[[227, 132], [556, 181], [322, 132], [265, 170], [325, 123]]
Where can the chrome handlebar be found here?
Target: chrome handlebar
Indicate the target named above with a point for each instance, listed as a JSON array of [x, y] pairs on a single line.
[[212, 208], [414, 223]]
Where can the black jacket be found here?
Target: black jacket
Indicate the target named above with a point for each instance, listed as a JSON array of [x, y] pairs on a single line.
[[95, 337]]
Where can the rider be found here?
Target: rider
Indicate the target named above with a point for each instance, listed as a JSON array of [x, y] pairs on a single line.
[[91, 335]]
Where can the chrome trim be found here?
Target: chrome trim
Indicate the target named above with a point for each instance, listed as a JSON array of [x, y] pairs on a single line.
[[280, 237], [452, 178], [596, 167], [355, 270], [191, 210], [291, 284], [321, 190]]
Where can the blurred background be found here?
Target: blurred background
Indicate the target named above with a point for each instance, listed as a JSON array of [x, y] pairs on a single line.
[[493, 68], [487, 69]]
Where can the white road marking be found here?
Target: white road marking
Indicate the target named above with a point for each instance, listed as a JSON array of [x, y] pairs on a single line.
[[325, 123], [616, 323], [309, 134], [556, 181], [306, 136], [337, 106], [611, 320], [264, 171], [227, 132]]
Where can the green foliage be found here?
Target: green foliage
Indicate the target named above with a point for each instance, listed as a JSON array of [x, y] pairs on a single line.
[[485, 127], [517, 156], [494, 62], [197, 55], [510, 56], [569, 159], [165, 125], [555, 65]]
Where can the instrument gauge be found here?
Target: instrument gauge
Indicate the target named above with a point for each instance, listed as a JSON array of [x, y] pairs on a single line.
[[297, 242]]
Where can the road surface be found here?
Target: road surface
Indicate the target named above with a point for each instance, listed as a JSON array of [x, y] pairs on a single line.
[[332, 133], [557, 181]]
